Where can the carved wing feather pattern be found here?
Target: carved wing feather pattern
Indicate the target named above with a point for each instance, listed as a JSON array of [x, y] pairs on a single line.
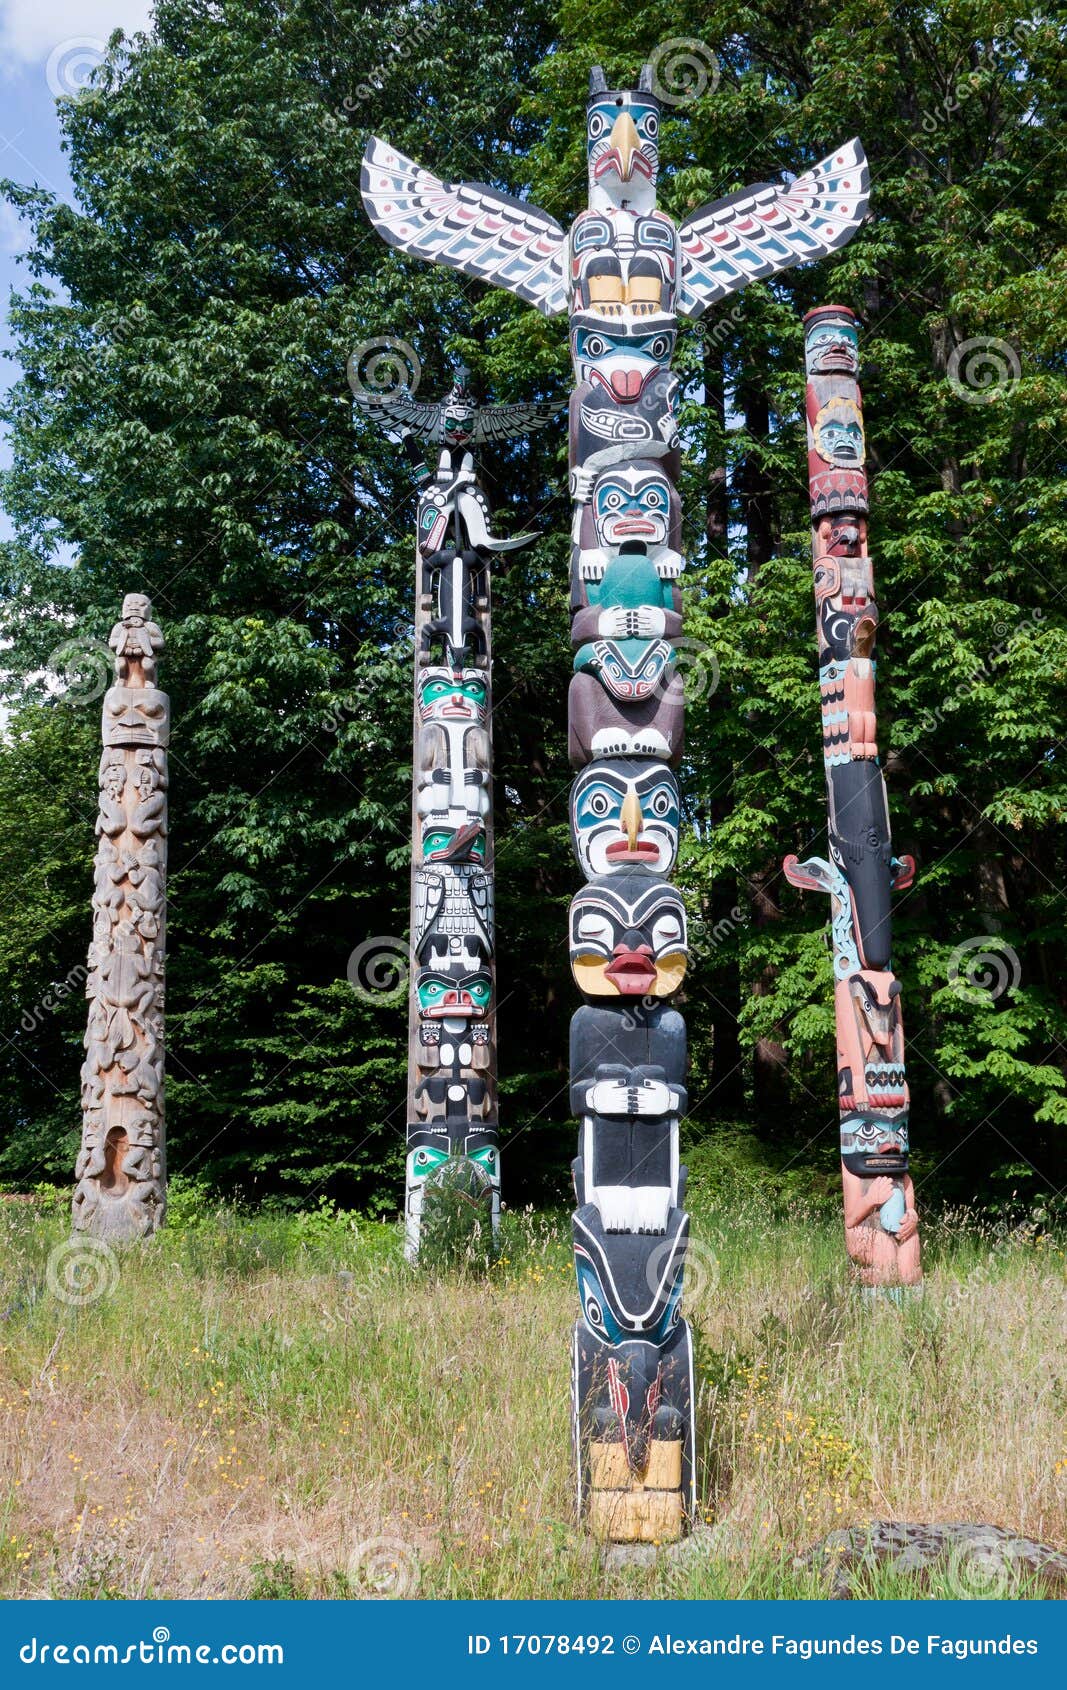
[[767, 228], [502, 422], [469, 226], [400, 410]]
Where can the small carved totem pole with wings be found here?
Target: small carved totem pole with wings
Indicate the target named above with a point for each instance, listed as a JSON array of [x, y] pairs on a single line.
[[881, 1227], [452, 1129], [625, 273]]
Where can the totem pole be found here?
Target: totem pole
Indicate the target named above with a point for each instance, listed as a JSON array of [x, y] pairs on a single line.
[[881, 1226], [624, 274], [452, 1133], [121, 1171]]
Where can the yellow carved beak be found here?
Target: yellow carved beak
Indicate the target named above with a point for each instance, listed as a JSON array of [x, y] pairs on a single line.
[[627, 142], [631, 817]]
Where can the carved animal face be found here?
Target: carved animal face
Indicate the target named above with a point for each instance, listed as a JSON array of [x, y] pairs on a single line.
[[623, 363], [622, 139], [624, 814], [628, 937]]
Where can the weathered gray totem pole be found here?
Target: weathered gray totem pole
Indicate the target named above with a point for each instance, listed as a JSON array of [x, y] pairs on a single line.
[[624, 274], [121, 1171], [452, 1133], [881, 1226]]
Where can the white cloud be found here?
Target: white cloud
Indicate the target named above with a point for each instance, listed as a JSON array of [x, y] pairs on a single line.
[[31, 30], [15, 235]]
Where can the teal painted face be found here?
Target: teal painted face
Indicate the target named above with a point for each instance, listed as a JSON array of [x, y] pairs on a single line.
[[832, 347], [631, 507], [622, 363], [447, 995], [622, 137], [453, 695], [839, 434], [601, 1318], [625, 814]]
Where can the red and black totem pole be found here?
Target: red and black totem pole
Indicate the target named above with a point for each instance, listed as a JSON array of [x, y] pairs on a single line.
[[881, 1226]]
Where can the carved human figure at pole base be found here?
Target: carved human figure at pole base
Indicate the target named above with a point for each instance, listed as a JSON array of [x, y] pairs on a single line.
[[625, 272], [121, 1169]]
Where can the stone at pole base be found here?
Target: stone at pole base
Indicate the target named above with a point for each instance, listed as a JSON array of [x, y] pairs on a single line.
[[121, 1170]]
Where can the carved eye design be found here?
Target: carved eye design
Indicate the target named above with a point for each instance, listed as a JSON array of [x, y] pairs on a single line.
[[594, 1314], [661, 802], [649, 126], [666, 934], [655, 499], [596, 346], [613, 499], [597, 125], [659, 346], [594, 929], [598, 803]]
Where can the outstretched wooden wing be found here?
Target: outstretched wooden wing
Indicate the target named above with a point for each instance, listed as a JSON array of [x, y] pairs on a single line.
[[502, 422], [768, 228], [400, 410], [466, 225]]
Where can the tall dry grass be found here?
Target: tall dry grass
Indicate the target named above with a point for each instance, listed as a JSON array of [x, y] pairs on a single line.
[[282, 1408]]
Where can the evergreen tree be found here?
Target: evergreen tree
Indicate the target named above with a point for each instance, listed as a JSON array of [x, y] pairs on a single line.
[[184, 425]]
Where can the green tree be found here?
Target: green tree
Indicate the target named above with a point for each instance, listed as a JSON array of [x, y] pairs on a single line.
[[183, 424]]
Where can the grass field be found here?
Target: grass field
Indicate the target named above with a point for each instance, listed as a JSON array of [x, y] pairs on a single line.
[[280, 1407]]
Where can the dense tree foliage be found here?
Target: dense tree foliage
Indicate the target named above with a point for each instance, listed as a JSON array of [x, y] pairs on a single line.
[[183, 425]]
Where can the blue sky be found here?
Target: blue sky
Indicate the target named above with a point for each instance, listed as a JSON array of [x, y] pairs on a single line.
[[47, 47]]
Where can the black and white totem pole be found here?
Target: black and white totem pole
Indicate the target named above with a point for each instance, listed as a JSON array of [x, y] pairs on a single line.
[[624, 274], [452, 1122]]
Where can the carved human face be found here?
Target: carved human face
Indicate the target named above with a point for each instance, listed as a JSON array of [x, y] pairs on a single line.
[[136, 716], [453, 695], [625, 814], [831, 346], [631, 506], [628, 937], [839, 434]]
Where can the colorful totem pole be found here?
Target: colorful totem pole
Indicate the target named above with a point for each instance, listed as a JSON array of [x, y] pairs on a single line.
[[452, 1133], [624, 274], [881, 1226], [121, 1171]]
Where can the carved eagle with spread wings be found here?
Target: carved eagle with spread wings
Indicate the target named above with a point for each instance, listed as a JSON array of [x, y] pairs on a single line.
[[757, 232], [458, 419]]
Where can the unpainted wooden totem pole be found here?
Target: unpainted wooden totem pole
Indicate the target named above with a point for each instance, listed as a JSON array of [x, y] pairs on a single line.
[[881, 1226], [452, 1133], [121, 1171], [624, 274]]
